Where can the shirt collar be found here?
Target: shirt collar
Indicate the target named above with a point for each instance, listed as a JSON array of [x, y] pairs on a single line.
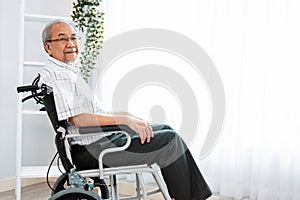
[[71, 67]]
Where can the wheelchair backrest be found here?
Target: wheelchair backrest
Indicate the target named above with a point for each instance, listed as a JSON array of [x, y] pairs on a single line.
[[48, 101], [49, 104]]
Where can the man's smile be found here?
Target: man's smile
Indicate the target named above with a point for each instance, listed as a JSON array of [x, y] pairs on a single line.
[[71, 51]]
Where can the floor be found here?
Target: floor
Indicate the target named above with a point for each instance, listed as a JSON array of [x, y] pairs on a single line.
[[41, 192], [33, 192]]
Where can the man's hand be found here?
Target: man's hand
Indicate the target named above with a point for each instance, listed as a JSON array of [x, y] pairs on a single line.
[[137, 124], [141, 127]]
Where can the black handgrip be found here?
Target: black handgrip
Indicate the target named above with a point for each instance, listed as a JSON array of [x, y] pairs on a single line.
[[27, 88]]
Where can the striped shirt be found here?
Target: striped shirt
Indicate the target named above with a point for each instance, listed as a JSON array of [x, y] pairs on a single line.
[[72, 95]]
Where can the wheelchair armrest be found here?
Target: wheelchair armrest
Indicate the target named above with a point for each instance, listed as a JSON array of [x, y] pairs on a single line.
[[97, 129], [105, 130]]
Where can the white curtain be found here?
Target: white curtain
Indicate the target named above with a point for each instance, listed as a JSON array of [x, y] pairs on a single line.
[[255, 46]]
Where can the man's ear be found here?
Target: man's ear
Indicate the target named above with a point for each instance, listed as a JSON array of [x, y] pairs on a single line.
[[47, 47]]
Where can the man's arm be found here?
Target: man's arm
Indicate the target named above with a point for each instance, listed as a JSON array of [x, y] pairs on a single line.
[[141, 127], [125, 113]]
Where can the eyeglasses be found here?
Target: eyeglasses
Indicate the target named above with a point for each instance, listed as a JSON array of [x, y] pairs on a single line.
[[65, 40]]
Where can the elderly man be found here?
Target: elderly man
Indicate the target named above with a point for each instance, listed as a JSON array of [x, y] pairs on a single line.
[[150, 144]]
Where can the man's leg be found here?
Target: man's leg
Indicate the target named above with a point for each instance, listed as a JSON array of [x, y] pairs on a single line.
[[186, 181], [167, 149]]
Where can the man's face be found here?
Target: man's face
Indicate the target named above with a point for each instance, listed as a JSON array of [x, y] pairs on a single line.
[[58, 47]]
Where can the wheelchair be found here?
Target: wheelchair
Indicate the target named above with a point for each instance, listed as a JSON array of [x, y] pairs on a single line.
[[73, 184]]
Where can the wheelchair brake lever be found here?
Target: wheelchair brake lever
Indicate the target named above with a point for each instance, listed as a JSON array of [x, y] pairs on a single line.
[[32, 96], [28, 97]]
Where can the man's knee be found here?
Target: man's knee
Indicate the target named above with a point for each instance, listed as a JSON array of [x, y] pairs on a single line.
[[166, 126], [159, 127], [166, 135]]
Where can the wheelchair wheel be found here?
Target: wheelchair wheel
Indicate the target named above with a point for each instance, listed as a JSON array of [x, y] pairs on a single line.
[[103, 187], [75, 194], [61, 183]]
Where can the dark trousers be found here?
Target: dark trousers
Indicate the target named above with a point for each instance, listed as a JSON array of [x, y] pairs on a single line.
[[167, 149]]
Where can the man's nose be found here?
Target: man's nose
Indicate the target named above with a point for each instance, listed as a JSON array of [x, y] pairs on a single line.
[[70, 42]]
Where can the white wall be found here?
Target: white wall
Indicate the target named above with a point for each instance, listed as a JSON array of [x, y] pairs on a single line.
[[33, 151], [9, 24]]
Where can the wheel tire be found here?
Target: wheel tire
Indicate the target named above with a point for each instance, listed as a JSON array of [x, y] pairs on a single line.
[[59, 184], [103, 187], [62, 180], [75, 194]]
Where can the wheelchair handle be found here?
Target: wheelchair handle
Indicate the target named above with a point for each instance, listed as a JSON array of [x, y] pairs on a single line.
[[27, 88]]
